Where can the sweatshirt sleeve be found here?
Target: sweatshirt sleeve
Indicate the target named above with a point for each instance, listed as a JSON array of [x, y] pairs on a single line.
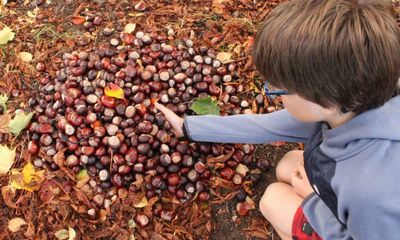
[[248, 128]]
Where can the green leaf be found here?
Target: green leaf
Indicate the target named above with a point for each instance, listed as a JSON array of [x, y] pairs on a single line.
[[6, 35], [204, 106], [82, 178], [3, 102], [19, 122]]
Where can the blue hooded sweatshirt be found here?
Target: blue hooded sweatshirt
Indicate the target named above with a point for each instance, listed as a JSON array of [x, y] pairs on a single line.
[[354, 168]]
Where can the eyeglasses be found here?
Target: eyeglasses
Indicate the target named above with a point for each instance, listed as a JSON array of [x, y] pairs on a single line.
[[272, 94]]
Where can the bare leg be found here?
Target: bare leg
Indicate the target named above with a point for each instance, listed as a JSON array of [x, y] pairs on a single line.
[[287, 165], [279, 205]]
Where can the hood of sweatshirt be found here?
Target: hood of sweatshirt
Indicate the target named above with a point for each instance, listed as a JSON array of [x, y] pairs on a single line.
[[381, 123]]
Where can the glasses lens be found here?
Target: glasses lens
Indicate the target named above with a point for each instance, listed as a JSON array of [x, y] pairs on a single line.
[[272, 97], [266, 88]]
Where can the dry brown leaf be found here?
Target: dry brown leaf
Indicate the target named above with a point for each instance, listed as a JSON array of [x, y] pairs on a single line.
[[218, 6], [8, 194], [156, 236], [82, 197], [48, 191], [59, 159], [4, 121], [221, 158], [77, 20]]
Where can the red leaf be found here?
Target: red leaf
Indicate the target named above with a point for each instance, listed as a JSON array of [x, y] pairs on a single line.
[[77, 20]]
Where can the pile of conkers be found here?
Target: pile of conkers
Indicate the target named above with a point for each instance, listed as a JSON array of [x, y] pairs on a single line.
[[125, 141]]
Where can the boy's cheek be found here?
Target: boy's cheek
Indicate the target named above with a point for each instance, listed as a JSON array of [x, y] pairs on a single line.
[[302, 109]]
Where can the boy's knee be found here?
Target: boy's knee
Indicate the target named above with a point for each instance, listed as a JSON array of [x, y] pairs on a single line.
[[268, 199]]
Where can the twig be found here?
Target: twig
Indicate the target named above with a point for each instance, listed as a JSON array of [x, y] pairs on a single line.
[[236, 60]]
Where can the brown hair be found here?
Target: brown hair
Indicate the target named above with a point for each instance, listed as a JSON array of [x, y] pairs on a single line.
[[332, 52]]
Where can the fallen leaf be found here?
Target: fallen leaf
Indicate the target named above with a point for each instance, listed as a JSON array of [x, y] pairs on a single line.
[[28, 179], [143, 203], [221, 158], [203, 106], [59, 159], [130, 27], [4, 121], [82, 178], [3, 102], [48, 191], [31, 14], [62, 234], [131, 224], [25, 56], [8, 193], [72, 233], [218, 6], [113, 90], [77, 20], [224, 57], [19, 122], [6, 35], [15, 224], [7, 158], [82, 197]]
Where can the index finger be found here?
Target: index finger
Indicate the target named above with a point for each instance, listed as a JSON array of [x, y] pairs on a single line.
[[160, 107]]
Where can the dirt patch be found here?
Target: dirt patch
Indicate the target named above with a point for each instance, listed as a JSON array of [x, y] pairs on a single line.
[[228, 225]]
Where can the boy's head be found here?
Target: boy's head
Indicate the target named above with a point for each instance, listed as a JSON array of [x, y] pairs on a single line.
[[343, 53]]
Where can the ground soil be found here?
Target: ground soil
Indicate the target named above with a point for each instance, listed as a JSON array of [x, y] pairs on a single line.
[[226, 227]]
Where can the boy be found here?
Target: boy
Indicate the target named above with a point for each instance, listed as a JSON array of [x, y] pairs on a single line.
[[336, 64]]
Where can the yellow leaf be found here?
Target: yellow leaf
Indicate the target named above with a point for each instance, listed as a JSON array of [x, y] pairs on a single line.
[[7, 158], [130, 27], [224, 57], [28, 179], [113, 90], [6, 35], [25, 56], [143, 203], [33, 14], [15, 224]]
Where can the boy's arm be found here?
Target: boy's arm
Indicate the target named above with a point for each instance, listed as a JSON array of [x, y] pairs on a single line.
[[248, 128]]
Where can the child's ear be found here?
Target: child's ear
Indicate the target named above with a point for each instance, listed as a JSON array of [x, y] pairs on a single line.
[[331, 110]]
